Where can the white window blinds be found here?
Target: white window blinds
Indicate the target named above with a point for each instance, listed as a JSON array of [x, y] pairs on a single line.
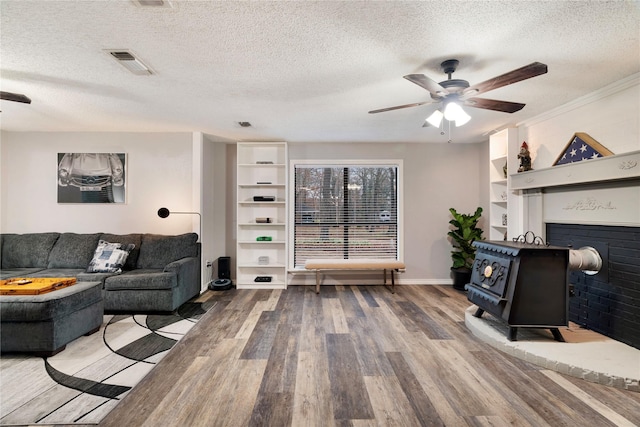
[[345, 211]]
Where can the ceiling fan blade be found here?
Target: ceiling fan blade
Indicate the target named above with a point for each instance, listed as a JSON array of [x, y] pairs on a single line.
[[425, 82], [492, 104], [397, 107], [16, 97], [523, 73]]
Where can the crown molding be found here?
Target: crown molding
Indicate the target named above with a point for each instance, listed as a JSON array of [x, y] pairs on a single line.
[[620, 85]]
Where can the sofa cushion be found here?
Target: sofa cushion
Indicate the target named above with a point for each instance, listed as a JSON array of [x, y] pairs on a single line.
[[134, 239], [141, 279], [8, 273], [109, 257], [83, 276], [27, 250], [157, 250], [58, 272], [73, 250]]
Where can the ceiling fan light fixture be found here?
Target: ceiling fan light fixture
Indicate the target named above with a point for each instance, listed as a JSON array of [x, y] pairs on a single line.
[[435, 119], [462, 118], [451, 111], [454, 113]]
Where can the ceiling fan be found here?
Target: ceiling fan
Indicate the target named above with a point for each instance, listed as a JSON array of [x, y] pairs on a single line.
[[453, 92], [15, 97]]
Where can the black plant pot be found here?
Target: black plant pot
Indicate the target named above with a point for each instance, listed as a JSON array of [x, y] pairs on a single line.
[[461, 276]]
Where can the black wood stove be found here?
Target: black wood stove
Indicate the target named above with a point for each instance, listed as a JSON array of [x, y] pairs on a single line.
[[524, 284]]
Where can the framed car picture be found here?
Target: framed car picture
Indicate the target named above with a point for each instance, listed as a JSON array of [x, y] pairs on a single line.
[[91, 177]]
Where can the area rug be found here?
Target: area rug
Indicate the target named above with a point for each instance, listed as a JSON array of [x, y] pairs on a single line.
[[85, 381]]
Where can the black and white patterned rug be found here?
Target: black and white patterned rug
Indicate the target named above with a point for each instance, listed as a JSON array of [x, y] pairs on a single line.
[[86, 380]]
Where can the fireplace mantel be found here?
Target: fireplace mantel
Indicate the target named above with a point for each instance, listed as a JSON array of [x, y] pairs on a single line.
[[602, 191], [612, 168]]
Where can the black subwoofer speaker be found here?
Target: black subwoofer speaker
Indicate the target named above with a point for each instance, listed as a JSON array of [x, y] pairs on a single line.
[[224, 267], [223, 282]]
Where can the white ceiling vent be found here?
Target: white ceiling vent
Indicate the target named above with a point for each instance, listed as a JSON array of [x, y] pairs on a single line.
[[130, 62], [152, 3]]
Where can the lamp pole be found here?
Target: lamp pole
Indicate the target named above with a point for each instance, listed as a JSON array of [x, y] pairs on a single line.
[[164, 213]]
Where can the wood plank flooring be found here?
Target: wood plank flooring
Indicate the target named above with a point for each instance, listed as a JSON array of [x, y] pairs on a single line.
[[356, 356]]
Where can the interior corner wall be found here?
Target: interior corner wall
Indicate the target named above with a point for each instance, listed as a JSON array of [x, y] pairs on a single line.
[[436, 177], [158, 173], [231, 203], [214, 216]]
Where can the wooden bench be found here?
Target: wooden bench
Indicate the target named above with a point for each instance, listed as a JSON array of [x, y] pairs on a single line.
[[385, 265]]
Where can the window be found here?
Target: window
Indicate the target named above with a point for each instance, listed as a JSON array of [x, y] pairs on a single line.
[[345, 211]]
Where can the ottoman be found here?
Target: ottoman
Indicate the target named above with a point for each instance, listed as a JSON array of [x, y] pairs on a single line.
[[46, 323]]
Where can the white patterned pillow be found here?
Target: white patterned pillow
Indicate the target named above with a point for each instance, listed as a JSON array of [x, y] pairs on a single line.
[[109, 257]]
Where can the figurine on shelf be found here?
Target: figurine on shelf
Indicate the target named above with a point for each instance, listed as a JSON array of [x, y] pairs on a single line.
[[525, 158]]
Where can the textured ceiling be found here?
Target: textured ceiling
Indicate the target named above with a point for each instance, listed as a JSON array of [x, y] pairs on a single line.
[[300, 71]]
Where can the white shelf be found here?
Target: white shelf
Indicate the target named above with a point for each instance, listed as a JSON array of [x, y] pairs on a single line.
[[259, 242], [261, 185], [261, 224], [264, 285], [261, 162], [252, 202], [499, 161], [262, 165], [502, 152], [278, 265]]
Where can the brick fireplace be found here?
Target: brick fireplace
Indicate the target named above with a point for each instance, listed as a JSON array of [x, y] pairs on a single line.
[[608, 302], [593, 203]]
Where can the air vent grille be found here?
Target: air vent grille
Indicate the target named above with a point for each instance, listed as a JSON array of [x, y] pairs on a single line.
[[123, 56], [152, 3], [130, 62]]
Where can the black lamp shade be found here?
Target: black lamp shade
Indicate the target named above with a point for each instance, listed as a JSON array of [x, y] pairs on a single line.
[[163, 212]]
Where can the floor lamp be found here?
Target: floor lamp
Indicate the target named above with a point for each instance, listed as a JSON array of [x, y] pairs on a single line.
[[164, 212]]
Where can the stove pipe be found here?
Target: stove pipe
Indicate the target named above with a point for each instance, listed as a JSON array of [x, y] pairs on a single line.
[[586, 259]]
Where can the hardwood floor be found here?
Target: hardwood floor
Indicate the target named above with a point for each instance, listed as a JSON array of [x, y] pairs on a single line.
[[356, 356]]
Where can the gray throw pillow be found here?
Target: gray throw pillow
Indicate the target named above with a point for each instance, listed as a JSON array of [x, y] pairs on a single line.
[[135, 239], [109, 257]]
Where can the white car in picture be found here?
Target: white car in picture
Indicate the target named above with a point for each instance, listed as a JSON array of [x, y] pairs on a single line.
[[90, 171]]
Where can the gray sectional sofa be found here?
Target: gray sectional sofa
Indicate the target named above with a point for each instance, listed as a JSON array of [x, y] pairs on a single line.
[[160, 274]]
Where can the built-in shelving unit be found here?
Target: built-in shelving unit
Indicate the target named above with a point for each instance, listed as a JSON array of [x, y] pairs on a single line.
[[501, 163], [261, 224]]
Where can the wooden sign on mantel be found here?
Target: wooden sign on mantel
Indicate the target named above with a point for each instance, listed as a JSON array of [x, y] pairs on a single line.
[[581, 147]]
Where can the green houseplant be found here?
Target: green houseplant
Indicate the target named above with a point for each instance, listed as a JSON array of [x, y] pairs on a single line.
[[464, 233]]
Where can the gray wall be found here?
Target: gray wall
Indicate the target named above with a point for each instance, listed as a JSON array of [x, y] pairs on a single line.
[[160, 165], [436, 177]]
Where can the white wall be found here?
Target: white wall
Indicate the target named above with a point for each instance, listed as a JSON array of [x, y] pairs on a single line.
[[611, 116], [158, 173], [160, 170], [214, 212]]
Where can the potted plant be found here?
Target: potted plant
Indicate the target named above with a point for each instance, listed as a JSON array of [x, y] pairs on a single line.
[[464, 233]]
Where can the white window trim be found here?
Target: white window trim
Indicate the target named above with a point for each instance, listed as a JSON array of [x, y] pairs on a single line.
[[342, 163]]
